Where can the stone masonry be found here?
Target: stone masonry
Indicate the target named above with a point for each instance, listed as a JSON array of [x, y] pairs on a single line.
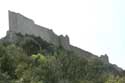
[[21, 24]]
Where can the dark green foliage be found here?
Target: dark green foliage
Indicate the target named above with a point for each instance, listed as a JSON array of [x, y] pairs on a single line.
[[32, 60], [33, 45], [6, 62], [30, 46]]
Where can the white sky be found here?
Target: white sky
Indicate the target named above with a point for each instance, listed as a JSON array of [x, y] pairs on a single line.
[[93, 25]]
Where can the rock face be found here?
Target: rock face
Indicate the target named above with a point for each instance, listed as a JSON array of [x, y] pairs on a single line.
[[20, 24]]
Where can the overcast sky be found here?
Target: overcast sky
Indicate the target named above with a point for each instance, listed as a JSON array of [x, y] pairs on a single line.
[[97, 26]]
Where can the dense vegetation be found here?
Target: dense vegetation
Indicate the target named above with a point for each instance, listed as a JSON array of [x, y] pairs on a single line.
[[32, 60]]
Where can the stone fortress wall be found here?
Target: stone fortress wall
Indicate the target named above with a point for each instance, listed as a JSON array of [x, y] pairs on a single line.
[[21, 24]]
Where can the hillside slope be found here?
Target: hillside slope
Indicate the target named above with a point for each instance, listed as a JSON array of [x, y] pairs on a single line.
[[44, 57]]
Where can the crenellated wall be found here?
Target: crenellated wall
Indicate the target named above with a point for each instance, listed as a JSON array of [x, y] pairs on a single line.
[[21, 24]]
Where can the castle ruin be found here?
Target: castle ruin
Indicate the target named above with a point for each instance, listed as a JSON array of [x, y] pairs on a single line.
[[21, 24]]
